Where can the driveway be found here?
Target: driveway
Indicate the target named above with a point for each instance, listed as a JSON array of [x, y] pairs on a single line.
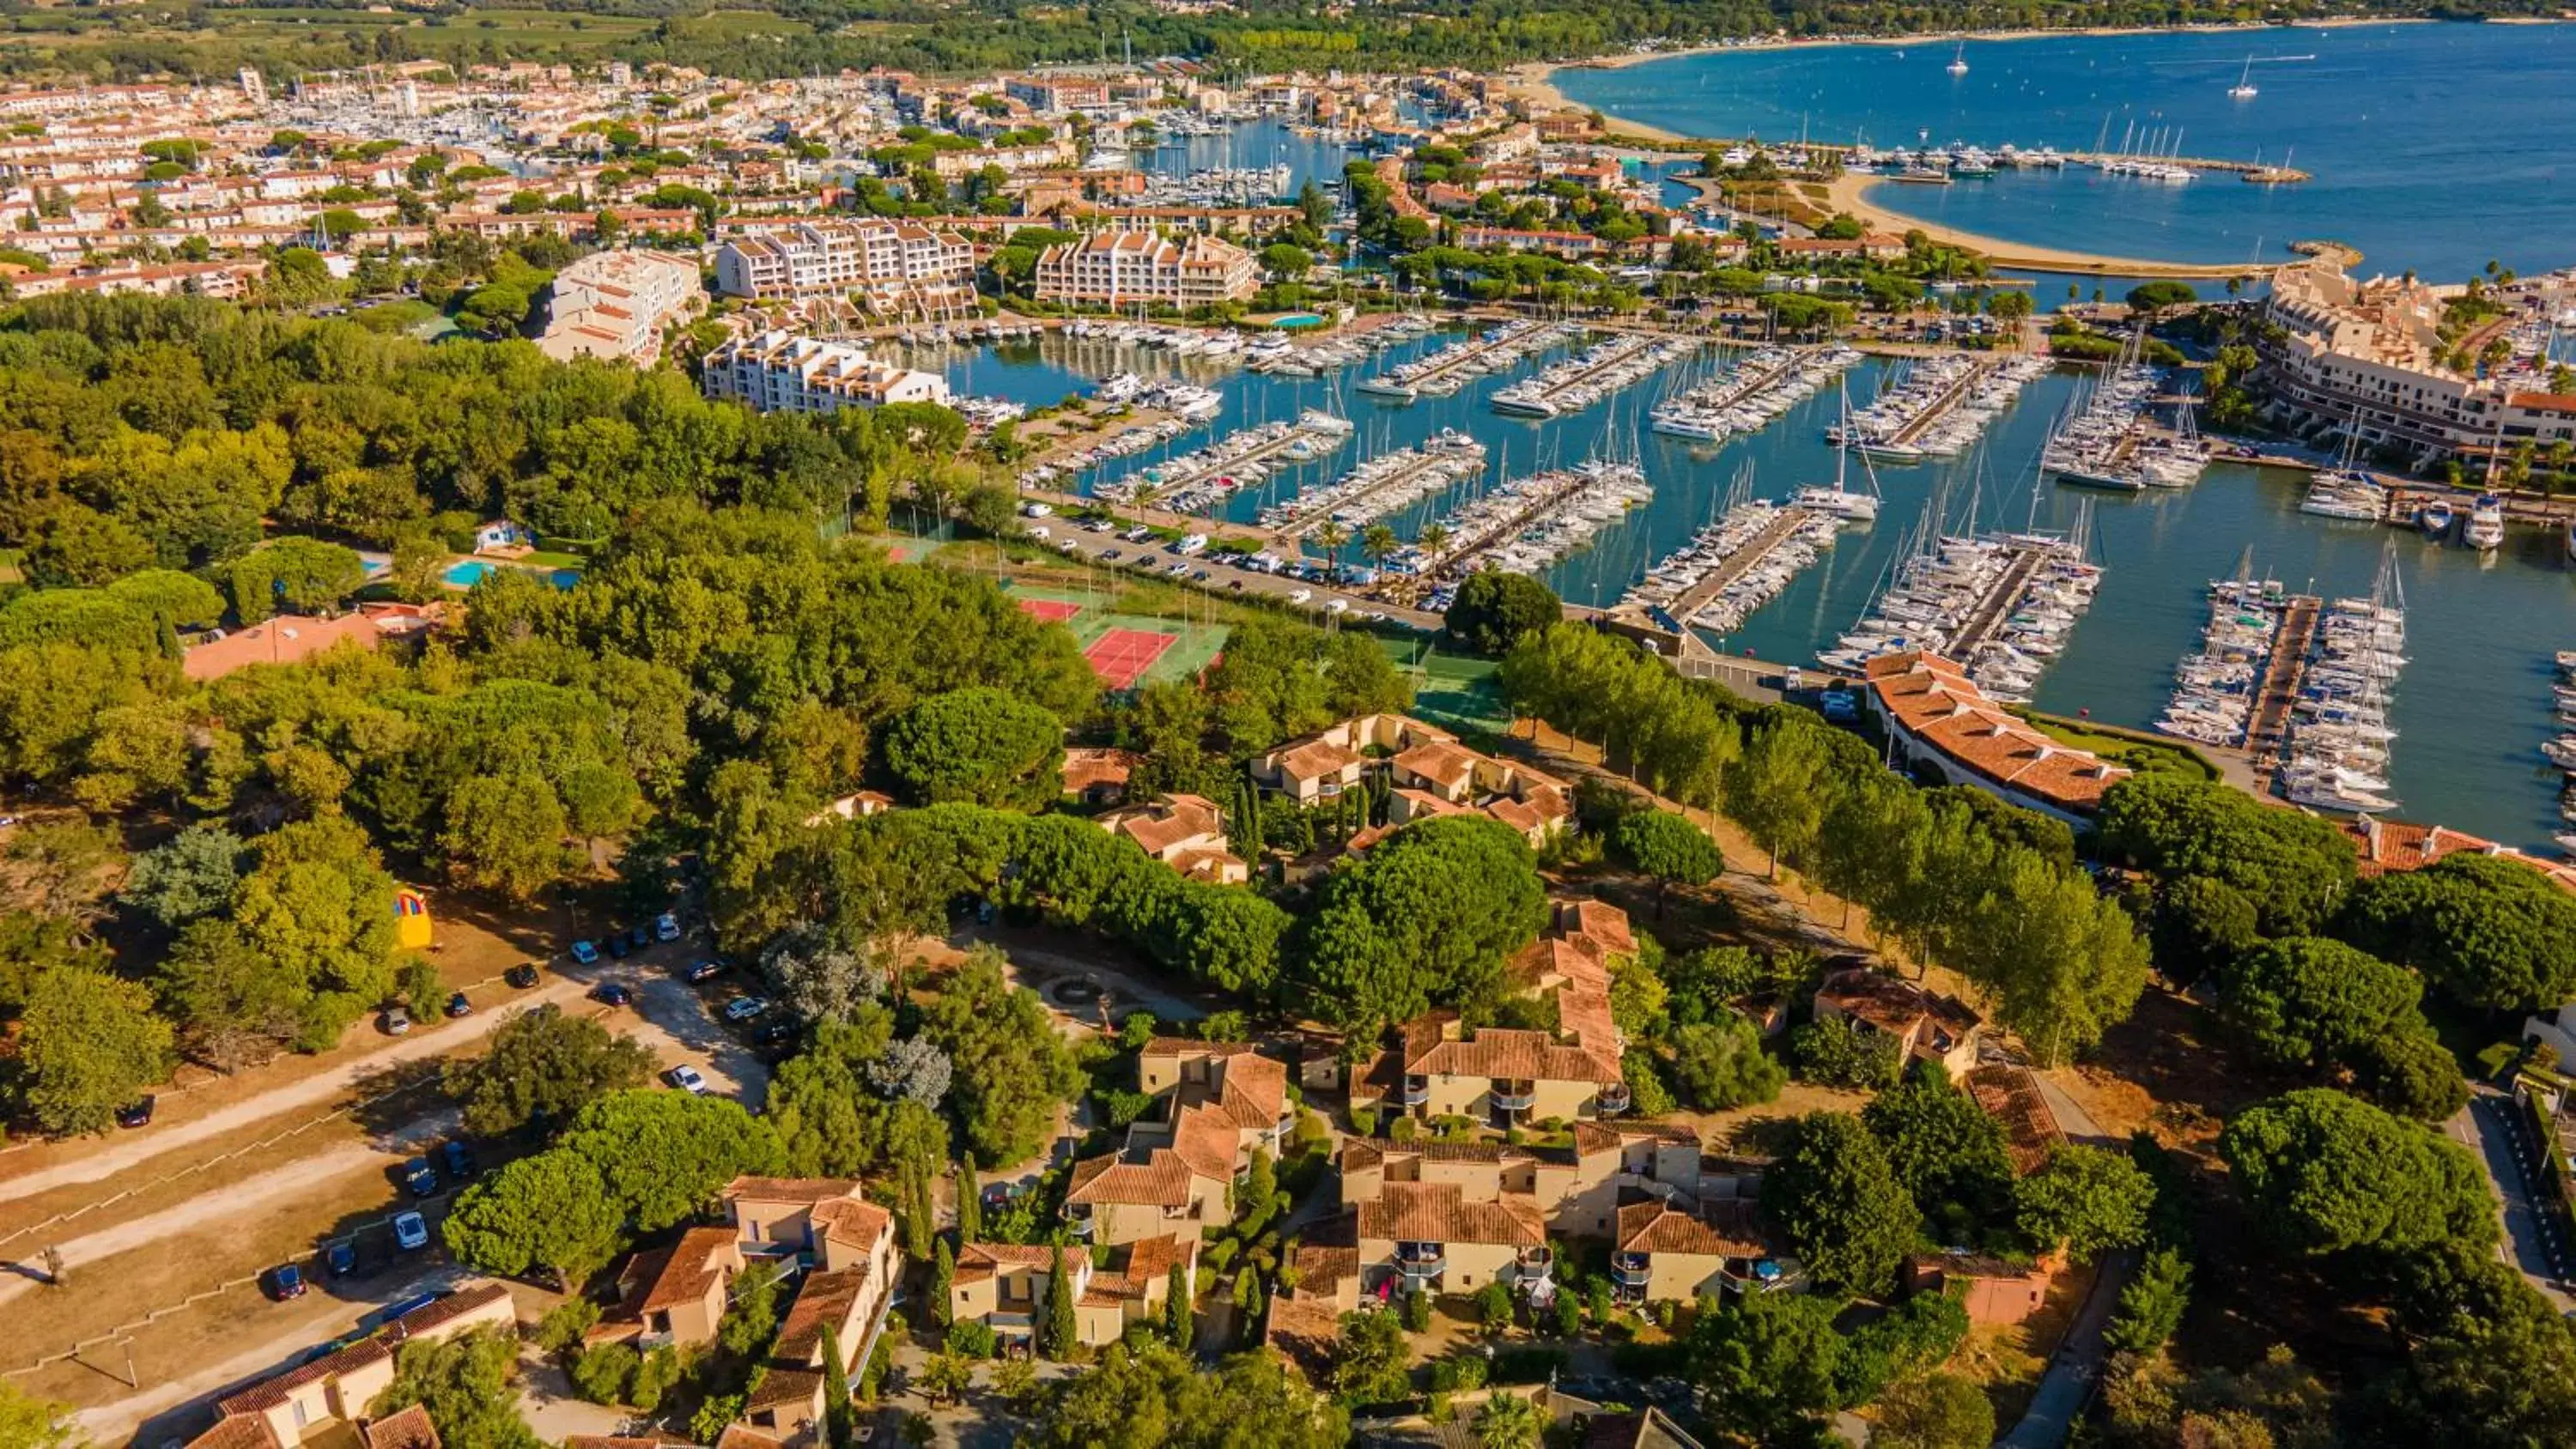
[[2487, 1127], [2077, 1365]]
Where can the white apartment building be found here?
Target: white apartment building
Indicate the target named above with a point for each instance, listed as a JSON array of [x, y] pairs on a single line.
[[1117, 269], [891, 261], [782, 372], [614, 304], [2367, 356]]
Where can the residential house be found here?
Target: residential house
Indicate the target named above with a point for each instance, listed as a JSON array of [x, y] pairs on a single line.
[[1577, 1190], [1995, 1291], [674, 1296], [1224, 1101], [1097, 775], [1429, 774], [1185, 832], [1665, 1254], [1430, 1236], [1248, 1090], [781, 372], [1006, 1286], [326, 1399], [2011, 1096], [1120, 269], [1924, 1024]]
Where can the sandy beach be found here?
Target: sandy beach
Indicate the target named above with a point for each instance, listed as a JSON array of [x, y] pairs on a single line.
[[1844, 193]]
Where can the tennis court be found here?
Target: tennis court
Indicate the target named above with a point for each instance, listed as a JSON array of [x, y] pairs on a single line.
[[1049, 611], [1121, 656]]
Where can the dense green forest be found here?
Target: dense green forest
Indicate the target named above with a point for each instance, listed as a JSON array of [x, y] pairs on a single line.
[[767, 38]]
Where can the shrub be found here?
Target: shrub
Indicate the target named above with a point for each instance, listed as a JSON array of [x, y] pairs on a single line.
[[1417, 1312], [561, 1329], [971, 1339], [602, 1372]]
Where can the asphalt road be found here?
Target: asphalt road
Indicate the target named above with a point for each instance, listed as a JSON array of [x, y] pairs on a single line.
[[1092, 548], [2486, 1127]]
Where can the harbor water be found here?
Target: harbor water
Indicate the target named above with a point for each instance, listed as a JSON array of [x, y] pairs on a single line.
[[2472, 708], [2433, 146]]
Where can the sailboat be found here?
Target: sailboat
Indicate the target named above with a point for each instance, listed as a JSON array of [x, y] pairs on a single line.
[[2243, 90], [1959, 60], [1841, 502]]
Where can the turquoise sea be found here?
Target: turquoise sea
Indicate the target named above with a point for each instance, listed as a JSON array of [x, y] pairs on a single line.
[[2434, 146], [2472, 708]]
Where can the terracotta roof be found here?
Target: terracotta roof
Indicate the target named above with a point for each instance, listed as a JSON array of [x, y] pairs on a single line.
[[2386, 845], [270, 1393], [408, 1429], [619, 1441], [1168, 824], [781, 1387], [1438, 1212], [1085, 767], [1443, 762], [1934, 701], [1597, 1136], [808, 1190], [1314, 760], [1162, 1180], [854, 1221], [449, 1308], [743, 1436], [2012, 1097], [1320, 1266], [1921, 1019], [1657, 1227], [237, 1431], [687, 1272], [1600, 922], [1506, 1054], [285, 640], [1206, 1139], [823, 1299]]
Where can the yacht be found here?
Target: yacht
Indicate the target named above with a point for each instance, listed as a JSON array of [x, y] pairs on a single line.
[[2435, 518], [2486, 523], [1839, 501], [2243, 90]]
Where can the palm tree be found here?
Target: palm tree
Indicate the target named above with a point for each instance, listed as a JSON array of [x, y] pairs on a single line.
[[1330, 536], [1377, 541], [1434, 539]]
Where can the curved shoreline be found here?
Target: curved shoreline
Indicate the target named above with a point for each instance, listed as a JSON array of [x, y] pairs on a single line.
[[1847, 193]]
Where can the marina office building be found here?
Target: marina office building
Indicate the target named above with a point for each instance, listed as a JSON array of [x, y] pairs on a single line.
[[2368, 356]]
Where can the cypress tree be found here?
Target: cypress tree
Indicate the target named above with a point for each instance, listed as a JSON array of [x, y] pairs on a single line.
[[943, 1278], [1176, 1312], [970, 1203], [836, 1392], [1062, 1333]]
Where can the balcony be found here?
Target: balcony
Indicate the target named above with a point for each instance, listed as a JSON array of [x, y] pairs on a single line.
[[1612, 1100], [1415, 1092], [1077, 1223], [1630, 1270], [1421, 1262], [1515, 1096], [1534, 1264]]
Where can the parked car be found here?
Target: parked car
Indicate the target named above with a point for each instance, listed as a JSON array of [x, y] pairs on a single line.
[[774, 1034], [618, 950], [341, 1258], [585, 953], [457, 1005], [460, 1159], [686, 1078], [523, 975], [697, 971], [744, 1008], [1112, 555], [612, 993], [420, 1177], [411, 1232], [642, 936], [1300, 596], [394, 1022], [285, 1281], [138, 1114], [666, 927]]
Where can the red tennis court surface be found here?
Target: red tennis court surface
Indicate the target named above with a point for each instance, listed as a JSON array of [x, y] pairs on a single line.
[[1121, 656], [1048, 611]]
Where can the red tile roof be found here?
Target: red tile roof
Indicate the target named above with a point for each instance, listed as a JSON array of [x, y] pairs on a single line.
[[1933, 700], [1438, 1212], [408, 1429]]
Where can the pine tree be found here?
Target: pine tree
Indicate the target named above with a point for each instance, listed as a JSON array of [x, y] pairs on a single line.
[[836, 1392], [1062, 1334], [970, 1203], [1177, 1320], [943, 1277]]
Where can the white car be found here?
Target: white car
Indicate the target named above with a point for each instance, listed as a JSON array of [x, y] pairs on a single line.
[[744, 1008], [1301, 595], [1040, 533], [686, 1078], [666, 927], [1336, 606]]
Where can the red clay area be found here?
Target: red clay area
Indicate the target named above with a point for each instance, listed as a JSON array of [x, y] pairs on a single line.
[[1121, 656], [1051, 611]]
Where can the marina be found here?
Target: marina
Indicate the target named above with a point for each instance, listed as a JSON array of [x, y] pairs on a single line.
[[1937, 407], [1731, 568], [1746, 394], [1199, 480], [2333, 753], [1444, 372], [1580, 381], [1381, 485], [1999, 605], [1529, 523], [2112, 441], [2561, 750]]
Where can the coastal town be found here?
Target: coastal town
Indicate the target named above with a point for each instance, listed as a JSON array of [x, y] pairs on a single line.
[[1155, 750]]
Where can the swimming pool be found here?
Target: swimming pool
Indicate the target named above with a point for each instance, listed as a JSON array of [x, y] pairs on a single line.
[[465, 573]]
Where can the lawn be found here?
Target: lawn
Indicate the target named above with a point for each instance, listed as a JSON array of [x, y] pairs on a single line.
[[1455, 691], [2143, 753]]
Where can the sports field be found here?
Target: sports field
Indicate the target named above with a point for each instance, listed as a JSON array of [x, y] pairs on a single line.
[[1125, 650]]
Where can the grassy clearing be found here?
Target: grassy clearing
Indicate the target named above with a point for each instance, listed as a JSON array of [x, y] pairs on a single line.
[[2141, 752]]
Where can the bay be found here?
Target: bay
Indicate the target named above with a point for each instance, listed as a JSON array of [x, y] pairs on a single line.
[[2434, 146]]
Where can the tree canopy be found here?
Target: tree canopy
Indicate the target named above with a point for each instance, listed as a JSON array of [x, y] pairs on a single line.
[[2326, 1173], [1426, 917]]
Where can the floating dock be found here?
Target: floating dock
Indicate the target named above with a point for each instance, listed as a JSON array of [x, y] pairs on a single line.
[[2282, 676], [1446, 371], [1381, 485]]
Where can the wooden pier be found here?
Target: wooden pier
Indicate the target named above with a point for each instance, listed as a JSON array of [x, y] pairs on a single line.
[[1446, 379], [1296, 520], [1737, 564], [1621, 354], [1323, 441], [2283, 673], [1939, 408], [2000, 599]]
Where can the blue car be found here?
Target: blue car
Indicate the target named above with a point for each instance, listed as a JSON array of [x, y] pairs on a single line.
[[285, 1281], [585, 953], [341, 1259], [420, 1177], [460, 1160], [411, 1232]]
